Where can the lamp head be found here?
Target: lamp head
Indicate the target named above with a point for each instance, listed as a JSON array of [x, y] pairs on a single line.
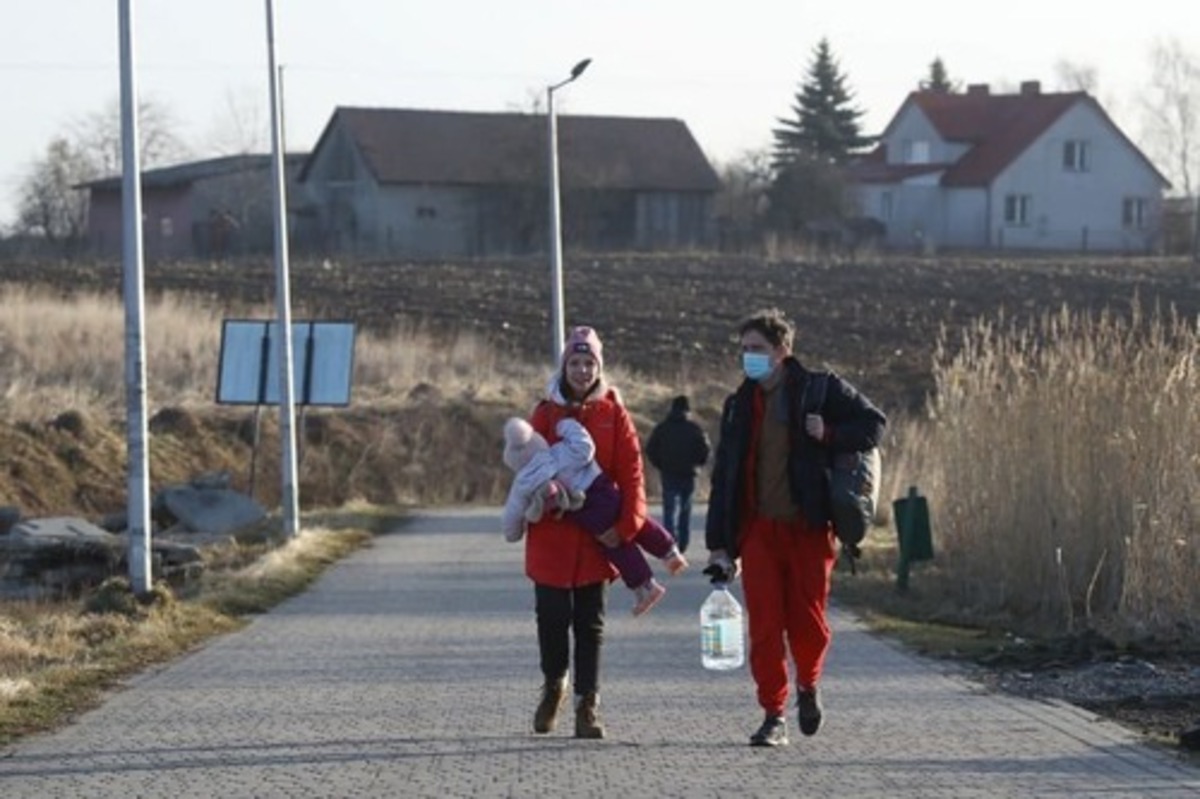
[[578, 69]]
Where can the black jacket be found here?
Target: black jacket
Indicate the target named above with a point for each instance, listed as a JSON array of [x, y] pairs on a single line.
[[678, 446], [856, 425]]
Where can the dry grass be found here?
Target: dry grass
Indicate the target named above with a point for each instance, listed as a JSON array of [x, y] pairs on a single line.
[[67, 354], [57, 658]]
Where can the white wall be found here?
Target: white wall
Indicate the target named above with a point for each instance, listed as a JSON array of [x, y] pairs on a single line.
[[1074, 210], [966, 219], [913, 126]]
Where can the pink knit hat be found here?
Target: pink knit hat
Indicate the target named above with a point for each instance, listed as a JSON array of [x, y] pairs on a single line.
[[583, 339]]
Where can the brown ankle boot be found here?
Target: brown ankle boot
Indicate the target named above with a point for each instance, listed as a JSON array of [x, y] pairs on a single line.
[[554, 696], [587, 717]]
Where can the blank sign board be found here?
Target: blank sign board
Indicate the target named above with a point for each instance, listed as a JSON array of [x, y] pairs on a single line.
[[322, 362]]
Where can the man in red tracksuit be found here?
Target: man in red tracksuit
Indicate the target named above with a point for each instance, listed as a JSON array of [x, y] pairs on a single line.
[[768, 513]]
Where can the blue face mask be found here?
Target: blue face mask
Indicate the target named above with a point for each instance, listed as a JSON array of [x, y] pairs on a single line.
[[756, 365]]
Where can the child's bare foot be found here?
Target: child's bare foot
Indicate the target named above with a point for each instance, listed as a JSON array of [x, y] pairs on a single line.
[[675, 562], [648, 596]]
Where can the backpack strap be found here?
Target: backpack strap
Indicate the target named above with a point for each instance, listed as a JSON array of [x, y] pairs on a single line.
[[818, 386], [812, 399], [815, 392]]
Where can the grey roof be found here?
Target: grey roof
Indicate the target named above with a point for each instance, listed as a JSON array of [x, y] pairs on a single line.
[[475, 148], [191, 171]]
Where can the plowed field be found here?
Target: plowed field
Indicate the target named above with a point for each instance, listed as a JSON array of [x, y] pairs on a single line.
[[877, 322]]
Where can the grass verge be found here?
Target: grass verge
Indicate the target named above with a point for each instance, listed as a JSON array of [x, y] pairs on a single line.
[[919, 617], [58, 658]]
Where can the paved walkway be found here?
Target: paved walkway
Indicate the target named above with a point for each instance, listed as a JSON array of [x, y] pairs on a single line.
[[409, 670]]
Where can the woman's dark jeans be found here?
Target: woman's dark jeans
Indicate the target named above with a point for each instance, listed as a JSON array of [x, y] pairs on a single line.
[[561, 611]]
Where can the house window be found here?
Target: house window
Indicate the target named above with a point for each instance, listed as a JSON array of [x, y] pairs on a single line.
[[1076, 156], [166, 227], [1133, 213], [885, 206], [916, 152], [426, 212], [1016, 210]]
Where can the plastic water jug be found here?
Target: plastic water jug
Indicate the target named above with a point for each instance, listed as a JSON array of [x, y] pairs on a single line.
[[722, 631]]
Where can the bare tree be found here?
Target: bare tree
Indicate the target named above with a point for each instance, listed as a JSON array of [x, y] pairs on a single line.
[[742, 199], [534, 103], [1074, 77], [98, 136], [48, 203], [1171, 109], [242, 128]]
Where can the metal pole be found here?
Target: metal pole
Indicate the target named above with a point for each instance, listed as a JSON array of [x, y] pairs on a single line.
[[557, 332], [282, 115], [557, 329], [138, 504], [1196, 227], [288, 496]]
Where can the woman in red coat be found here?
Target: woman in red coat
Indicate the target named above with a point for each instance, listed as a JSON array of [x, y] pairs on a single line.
[[569, 570]]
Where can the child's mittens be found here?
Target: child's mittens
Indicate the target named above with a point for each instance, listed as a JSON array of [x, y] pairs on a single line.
[[555, 497], [574, 499], [559, 497], [536, 506]]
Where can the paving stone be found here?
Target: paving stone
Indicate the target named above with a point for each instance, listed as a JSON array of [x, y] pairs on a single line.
[[410, 669]]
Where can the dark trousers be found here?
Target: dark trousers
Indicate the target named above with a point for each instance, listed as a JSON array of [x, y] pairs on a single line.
[[561, 612], [677, 493]]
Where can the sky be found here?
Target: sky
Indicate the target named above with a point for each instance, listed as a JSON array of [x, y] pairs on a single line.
[[727, 69]]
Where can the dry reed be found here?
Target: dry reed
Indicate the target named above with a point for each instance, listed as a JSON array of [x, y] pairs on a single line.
[[1064, 455]]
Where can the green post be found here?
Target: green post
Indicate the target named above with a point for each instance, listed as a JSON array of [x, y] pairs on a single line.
[[914, 534]]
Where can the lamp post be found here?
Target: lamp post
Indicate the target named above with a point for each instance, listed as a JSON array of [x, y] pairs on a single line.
[[289, 499], [557, 332], [138, 472]]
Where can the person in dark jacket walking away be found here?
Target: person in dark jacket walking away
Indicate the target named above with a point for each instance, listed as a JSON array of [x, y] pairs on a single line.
[[768, 513], [678, 447]]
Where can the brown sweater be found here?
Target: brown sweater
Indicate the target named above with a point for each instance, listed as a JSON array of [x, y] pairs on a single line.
[[774, 499]]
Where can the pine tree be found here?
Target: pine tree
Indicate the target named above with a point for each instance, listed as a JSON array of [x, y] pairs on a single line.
[[826, 125], [938, 80]]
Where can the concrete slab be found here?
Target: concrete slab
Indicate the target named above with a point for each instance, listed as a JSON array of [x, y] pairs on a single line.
[[211, 510], [62, 530]]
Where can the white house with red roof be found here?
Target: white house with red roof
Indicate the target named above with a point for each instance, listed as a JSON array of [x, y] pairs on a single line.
[[1024, 171]]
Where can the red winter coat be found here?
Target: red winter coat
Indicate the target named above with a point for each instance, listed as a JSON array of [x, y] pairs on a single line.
[[558, 552]]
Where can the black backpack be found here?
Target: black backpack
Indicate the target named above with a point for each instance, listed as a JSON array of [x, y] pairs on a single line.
[[853, 479]]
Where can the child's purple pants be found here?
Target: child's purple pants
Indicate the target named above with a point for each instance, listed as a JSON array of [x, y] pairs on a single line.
[[601, 507]]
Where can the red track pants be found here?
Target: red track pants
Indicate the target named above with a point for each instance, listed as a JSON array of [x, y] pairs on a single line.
[[786, 570]]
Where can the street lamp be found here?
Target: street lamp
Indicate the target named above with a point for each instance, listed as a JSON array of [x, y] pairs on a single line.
[[557, 333]]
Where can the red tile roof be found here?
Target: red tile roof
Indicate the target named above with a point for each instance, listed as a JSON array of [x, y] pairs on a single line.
[[998, 128], [469, 148]]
